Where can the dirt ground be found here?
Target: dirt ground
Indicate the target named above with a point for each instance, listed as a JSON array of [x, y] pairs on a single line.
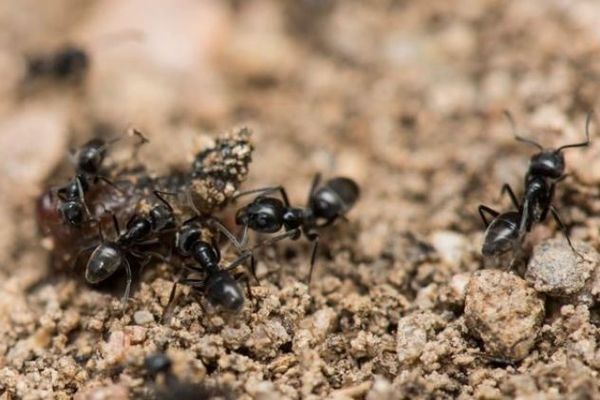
[[405, 97]]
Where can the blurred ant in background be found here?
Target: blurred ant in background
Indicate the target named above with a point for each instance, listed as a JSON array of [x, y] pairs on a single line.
[[108, 256], [171, 388], [546, 169], [68, 63], [326, 204]]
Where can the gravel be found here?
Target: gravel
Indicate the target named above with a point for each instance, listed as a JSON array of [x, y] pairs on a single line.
[[504, 312]]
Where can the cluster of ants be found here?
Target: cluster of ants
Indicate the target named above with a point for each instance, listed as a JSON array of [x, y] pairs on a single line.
[[506, 231], [77, 213]]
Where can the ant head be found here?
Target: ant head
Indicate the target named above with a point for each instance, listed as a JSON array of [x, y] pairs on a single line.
[[222, 290], [91, 155], [547, 163], [103, 262], [71, 62], [72, 212], [264, 214], [334, 198]]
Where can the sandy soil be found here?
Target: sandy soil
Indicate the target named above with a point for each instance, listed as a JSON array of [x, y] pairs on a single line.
[[406, 97]]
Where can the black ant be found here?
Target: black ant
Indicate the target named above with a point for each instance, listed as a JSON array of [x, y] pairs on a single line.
[[218, 285], [326, 203], [69, 62], [545, 170], [109, 256], [88, 163], [159, 364]]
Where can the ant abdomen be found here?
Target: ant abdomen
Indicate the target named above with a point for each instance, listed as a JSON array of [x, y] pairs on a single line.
[[104, 261], [223, 290], [334, 198], [502, 234]]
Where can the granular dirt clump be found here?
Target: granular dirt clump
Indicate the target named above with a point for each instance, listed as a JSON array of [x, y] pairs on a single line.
[[504, 313], [555, 269]]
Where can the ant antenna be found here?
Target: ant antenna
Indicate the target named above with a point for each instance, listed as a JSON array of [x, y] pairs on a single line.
[[587, 135], [512, 123]]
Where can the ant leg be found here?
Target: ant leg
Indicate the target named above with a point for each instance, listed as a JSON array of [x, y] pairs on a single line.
[[238, 261], [313, 186], [544, 213], [507, 189], [84, 250], [512, 123], [587, 136], [293, 234], [490, 211], [115, 223], [108, 182], [223, 230], [314, 237], [158, 194], [82, 197], [195, 283], [167, 309], [562, 227], [266, 190], [251, 295], [244, 238], [129, 280]]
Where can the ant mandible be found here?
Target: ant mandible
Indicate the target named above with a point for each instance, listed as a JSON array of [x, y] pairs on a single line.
[[219, 286], [546, 169], [326, 203], [109, 256]]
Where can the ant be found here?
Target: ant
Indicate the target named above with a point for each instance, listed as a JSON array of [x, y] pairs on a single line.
[[68, 63], [546, 169], [219, 286], [326, 203], [88, 163], [109, 256], [171, 387]]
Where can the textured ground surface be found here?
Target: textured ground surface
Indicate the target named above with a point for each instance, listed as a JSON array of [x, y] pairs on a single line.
[[404, 96]]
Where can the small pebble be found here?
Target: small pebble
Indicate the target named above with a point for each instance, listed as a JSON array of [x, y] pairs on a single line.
[[413, 332], [143, 317], [556, 270], [504, 312]]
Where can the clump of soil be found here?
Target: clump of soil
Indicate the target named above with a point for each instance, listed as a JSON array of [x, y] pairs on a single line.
[[404, 97]]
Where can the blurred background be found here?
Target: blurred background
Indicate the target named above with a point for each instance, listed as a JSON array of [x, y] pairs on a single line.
[[404, 96]]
